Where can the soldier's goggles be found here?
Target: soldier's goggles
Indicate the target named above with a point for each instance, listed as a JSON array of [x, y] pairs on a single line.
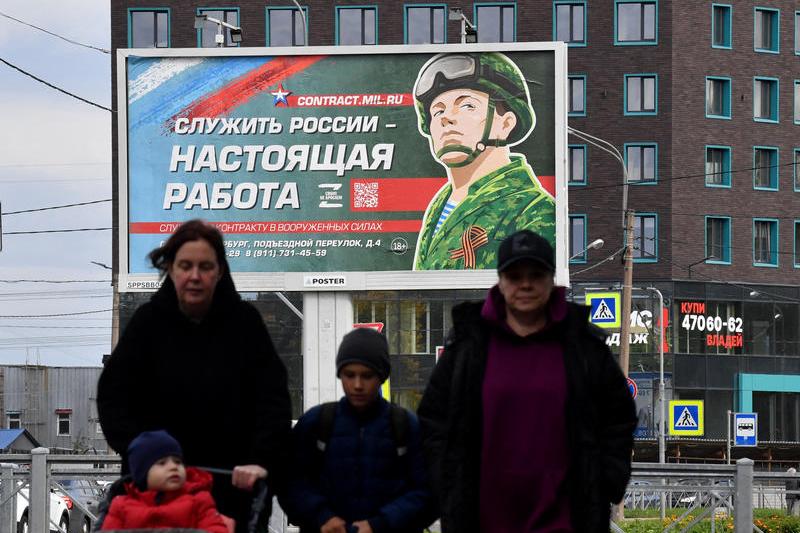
[[459, 68], [451, 67]]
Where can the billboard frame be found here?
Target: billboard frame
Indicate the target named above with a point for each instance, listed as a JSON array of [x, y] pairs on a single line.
[[349, 280]]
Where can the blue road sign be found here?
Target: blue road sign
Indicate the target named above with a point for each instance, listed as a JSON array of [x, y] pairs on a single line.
[[745, 429], [686, 417], [604, 309]]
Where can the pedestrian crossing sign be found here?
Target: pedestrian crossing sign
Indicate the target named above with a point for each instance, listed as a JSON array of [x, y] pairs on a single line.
[[604, 309], [686, 417]]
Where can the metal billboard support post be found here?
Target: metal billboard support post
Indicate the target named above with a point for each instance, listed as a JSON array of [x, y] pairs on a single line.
[[328, 316]]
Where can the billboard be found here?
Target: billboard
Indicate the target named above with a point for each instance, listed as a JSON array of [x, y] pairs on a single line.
[[346, 168]]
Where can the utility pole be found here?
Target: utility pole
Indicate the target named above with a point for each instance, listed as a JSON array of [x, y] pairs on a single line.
[[627, 285]]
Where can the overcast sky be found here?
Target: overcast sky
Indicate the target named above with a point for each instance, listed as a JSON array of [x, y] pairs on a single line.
[[55, 150]]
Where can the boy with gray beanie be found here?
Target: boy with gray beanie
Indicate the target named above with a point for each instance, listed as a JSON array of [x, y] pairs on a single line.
[[358, 462]]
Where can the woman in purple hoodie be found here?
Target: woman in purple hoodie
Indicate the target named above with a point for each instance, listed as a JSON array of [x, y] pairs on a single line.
[[527, 420]]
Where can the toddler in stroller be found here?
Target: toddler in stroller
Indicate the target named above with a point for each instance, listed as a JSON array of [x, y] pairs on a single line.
[[161, 492]]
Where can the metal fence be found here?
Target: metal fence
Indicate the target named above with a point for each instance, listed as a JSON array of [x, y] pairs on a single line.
[[695, 492]]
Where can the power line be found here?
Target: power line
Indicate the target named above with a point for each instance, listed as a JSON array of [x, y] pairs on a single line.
[[55, 281], [49, 180], [687, 268], [58, 314], [56, 207], [684, 214], [676, 178], [54, 231], [103, 50], [96, 163], [59, 89], [54, 327]]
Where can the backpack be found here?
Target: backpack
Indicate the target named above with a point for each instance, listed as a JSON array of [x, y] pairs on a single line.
[[398, 421]]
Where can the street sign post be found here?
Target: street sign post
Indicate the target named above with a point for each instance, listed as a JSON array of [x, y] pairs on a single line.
[[686, 418], [633, 388], [604, 309], [745, 429]]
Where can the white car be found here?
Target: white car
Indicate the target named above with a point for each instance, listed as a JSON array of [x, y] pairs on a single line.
[[60, 506]]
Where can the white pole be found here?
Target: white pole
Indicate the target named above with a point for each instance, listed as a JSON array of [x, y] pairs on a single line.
[[728, 433]]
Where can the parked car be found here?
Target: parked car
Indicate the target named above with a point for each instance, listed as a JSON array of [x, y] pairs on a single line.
[[687, 496], [639, 495], [88, 494], [60, 506]]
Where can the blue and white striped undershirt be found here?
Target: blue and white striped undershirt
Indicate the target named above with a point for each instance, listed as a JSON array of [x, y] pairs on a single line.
[[448, 208]]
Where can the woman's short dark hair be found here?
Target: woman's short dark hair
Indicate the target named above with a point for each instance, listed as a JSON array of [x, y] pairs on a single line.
[[192, 230]]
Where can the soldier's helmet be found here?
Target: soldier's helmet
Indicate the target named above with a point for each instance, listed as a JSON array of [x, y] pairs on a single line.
[[489, 72]]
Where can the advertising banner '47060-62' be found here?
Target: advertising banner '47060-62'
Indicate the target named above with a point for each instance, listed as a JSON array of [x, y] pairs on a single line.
[[398, 161]]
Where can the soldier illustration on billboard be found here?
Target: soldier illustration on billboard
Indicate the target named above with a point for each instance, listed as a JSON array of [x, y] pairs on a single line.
[[473, 107]]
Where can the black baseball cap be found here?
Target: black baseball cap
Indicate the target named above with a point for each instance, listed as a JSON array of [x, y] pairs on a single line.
[[525, 244]]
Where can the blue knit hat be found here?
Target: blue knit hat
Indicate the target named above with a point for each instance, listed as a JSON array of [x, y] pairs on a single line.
[[146, 449]]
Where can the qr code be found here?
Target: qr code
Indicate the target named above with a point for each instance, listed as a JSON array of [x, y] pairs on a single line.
[[365, 195]]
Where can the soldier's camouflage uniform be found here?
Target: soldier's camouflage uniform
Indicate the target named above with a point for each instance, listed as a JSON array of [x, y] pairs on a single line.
[[497, 205]]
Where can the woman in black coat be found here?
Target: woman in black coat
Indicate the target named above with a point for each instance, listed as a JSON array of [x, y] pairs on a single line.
[[198, 362]]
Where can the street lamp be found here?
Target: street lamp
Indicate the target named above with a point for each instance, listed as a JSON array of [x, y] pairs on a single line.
[[219, 38], [469, 33], [305, 23], [627, 225], [594, 245]]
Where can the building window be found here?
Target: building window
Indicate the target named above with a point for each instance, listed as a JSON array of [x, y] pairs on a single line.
[[206, 37], [765, 168], [797, 101], [765, 242], [285, 26], [645, 238], [577, 238], [570, 22], [356, 25], [718, 239], [797, 32], [98, 428], [63, 426], [718, 166], [148, 28], [14, 420], [577, 165], [577, 96], [765, 99], [718, 97], [496, 23], [766, 30], [796, 170], [640, 94], [640, 160], [426, 25], [720, 25], [796, 248], [635, 22]]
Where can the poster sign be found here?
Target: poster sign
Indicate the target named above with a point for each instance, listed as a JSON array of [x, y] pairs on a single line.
[[719, 331], [347, 161]]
